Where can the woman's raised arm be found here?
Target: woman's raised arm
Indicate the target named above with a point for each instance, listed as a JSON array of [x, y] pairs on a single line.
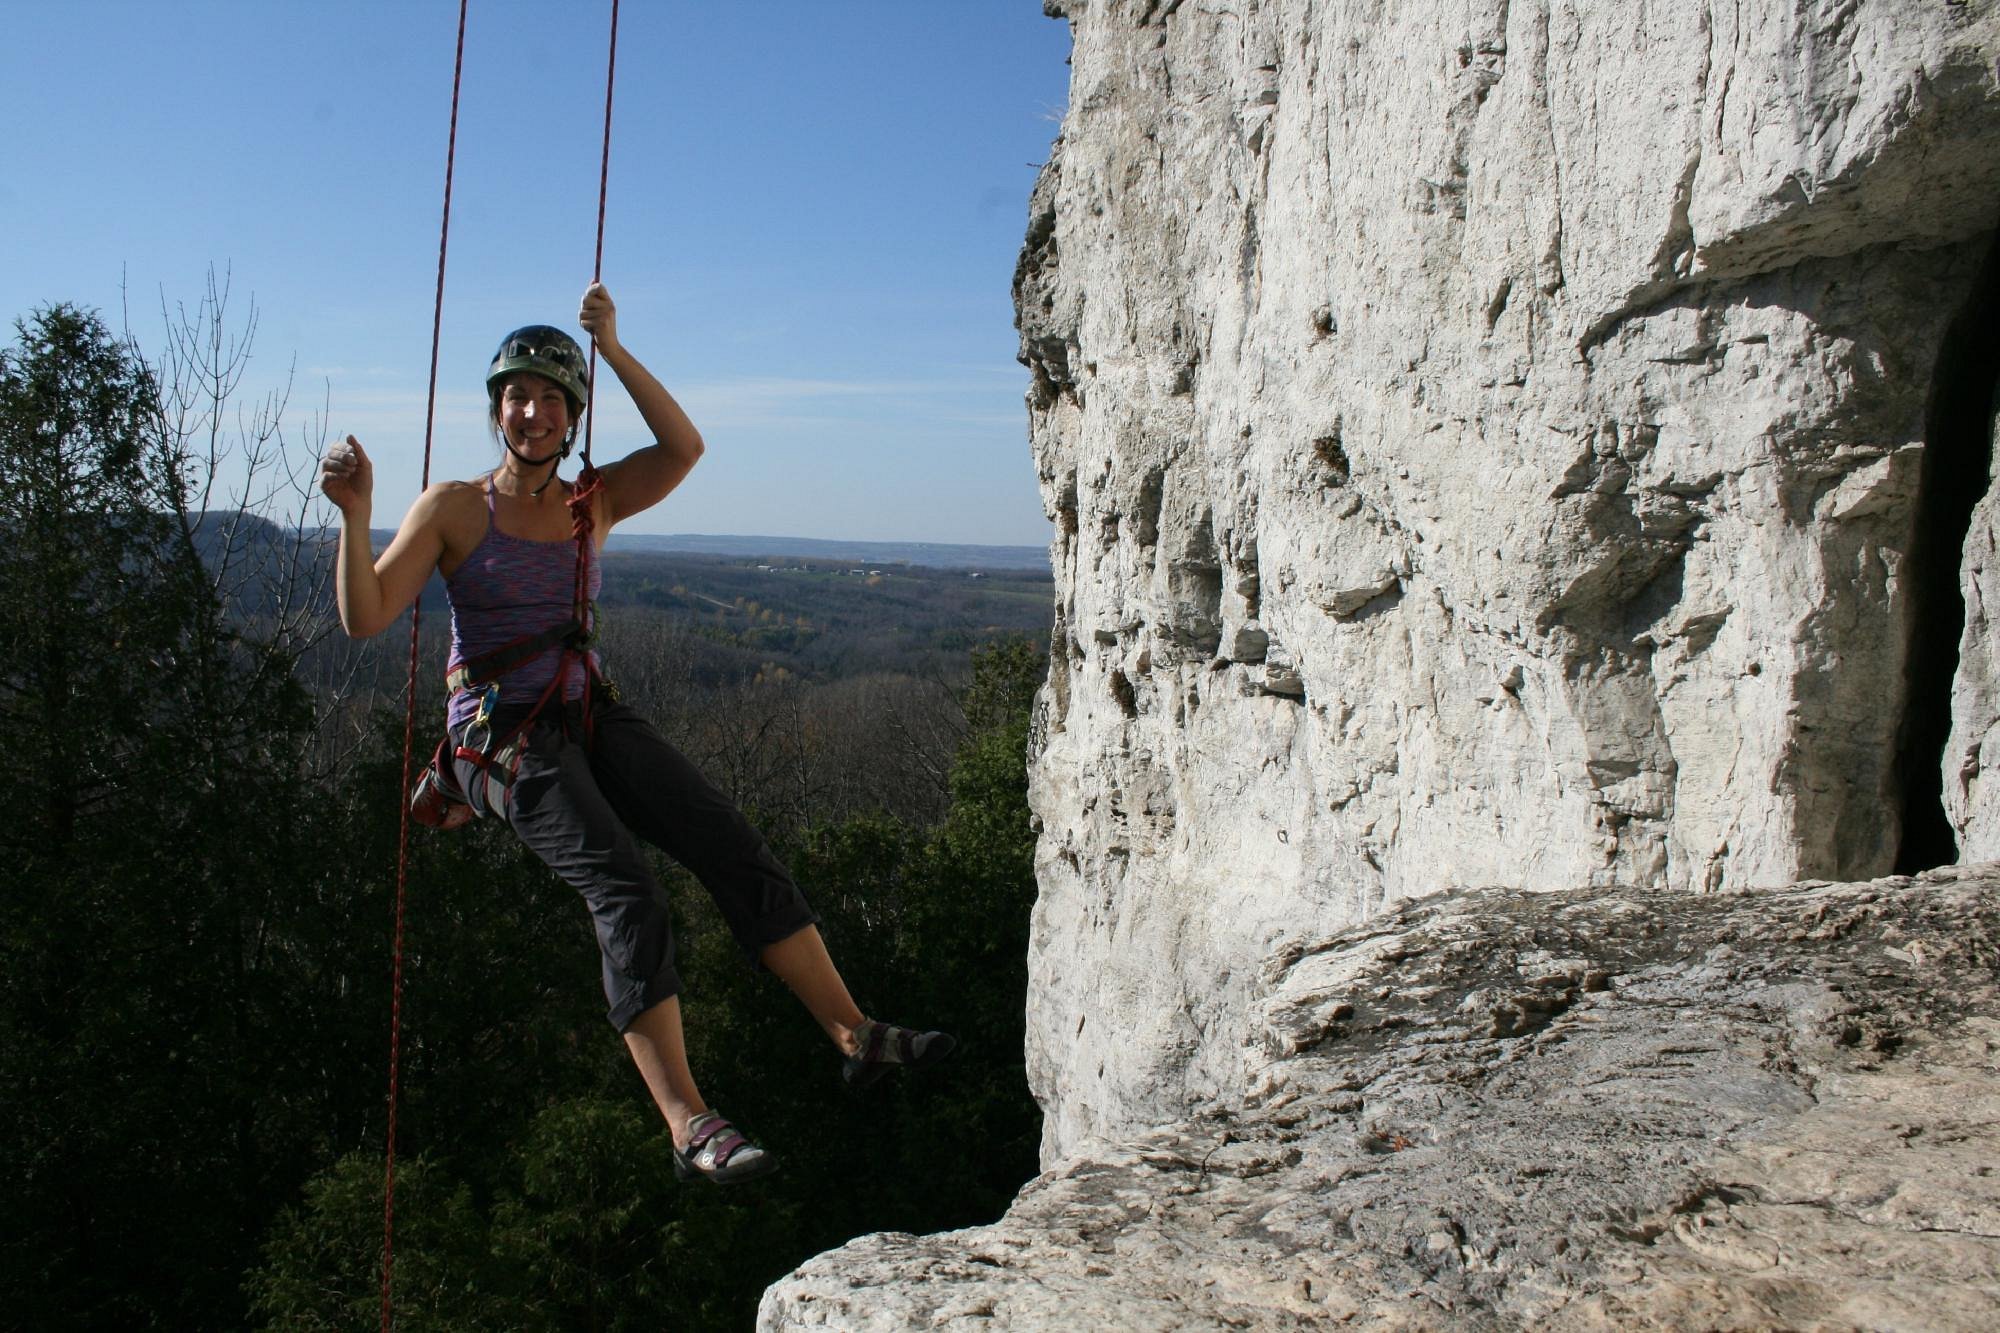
[[646, 476]]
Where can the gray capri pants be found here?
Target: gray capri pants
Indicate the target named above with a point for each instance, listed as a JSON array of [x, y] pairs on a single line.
[[583, 806]]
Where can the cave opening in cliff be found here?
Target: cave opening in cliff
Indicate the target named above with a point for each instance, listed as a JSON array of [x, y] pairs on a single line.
[[1958, 447]]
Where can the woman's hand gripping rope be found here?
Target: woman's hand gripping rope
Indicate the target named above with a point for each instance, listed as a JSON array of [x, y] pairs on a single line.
[[598, 315]]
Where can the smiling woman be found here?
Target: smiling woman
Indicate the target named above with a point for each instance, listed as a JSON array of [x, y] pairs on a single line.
[[540, 740], [534, 408]]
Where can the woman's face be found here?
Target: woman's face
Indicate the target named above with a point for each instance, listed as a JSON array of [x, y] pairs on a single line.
[[534, 415]]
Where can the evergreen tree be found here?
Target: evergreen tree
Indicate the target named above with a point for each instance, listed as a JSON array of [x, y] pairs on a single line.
[[85, 551], [154, 758]]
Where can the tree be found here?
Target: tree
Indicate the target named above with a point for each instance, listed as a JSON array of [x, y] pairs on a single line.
[[156, 750], [85, 553], [320, 1272], [193, 938]]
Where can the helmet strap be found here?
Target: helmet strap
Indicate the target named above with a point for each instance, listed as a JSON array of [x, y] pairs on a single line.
[[552, 464]]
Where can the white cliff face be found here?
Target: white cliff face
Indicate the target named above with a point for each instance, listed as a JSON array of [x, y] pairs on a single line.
[[1485, 441]]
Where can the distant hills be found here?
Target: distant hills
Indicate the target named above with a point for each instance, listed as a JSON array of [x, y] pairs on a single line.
[[752, 605], [936, 555], [933, 555]]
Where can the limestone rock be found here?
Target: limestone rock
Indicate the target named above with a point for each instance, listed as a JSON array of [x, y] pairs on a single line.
[[1487, 442], [1974, 744], [1609, 1109]]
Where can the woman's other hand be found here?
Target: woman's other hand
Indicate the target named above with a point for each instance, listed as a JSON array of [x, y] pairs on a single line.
[[346, 477], [599, 316]]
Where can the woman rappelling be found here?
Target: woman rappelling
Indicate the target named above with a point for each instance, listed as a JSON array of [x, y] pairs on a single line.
[[539, 740]]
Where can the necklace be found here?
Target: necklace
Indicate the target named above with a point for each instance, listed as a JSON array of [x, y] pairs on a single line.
[[534, 494]]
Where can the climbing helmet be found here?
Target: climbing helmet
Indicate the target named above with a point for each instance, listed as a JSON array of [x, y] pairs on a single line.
[[546, 351]]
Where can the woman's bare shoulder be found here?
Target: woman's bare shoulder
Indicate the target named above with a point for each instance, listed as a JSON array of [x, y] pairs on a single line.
[[443, 498], [455, 510]]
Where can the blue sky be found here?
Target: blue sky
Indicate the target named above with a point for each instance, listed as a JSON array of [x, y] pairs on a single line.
[[814, 214]]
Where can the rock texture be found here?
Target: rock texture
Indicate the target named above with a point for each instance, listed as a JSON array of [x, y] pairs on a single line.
[[1487, 442], [1608, 1109], [1526, 443], [1974, 745]]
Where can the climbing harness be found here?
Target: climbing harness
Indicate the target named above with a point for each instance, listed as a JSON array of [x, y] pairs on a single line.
[[440, 800], [582, 503]]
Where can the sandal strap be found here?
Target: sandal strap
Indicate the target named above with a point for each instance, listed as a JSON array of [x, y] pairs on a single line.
[[725, 1146], [717, 1139], [882, 1036]]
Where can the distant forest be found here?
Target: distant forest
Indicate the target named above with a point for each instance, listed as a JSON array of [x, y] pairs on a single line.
[[804, 691], [821, 623], [844, 554], [779, 616]]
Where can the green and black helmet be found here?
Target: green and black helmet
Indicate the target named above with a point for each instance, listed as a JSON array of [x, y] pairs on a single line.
[[546, 351]]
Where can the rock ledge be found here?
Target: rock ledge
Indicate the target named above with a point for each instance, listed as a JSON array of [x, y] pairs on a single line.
[[1498, 1109]]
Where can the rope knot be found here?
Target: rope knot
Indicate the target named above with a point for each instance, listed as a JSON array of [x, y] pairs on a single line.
[[582, 502]]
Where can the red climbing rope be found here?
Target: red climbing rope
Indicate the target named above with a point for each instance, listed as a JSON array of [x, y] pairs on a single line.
[[583, 498], [410, 719], [582, 526], [597, 259]]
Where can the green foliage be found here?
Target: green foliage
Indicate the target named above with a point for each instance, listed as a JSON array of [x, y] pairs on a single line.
[[582, 1237], [322, 1271], [85, 555], [929, 927], [573, 1239]]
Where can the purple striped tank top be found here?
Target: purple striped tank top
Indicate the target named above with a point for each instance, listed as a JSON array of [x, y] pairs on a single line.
[[508, 588]]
